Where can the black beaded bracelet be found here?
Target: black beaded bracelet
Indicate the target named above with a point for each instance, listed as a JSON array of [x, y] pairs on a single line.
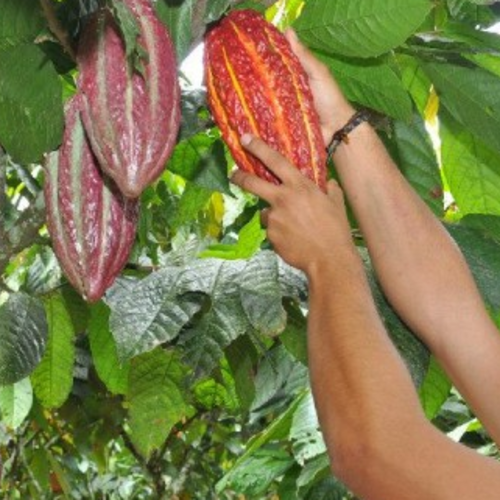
[[342, 135]]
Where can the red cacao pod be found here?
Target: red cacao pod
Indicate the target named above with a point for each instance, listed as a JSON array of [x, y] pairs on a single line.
[[257, 85], [132, 119], [91, 223]]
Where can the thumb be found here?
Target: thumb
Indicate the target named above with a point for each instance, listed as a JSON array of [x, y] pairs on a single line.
[[306, 58]]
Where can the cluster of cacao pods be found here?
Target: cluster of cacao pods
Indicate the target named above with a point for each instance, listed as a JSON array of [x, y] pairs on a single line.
[[120, 128]]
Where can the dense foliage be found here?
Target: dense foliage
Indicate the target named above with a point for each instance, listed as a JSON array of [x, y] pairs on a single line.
[[189, 380]]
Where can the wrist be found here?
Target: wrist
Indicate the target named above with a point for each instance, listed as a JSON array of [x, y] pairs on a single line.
[[346, 262]]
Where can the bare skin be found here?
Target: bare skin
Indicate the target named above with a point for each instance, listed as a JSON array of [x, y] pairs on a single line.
[[379, 441]]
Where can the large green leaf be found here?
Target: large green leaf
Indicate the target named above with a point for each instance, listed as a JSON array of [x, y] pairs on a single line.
[[53, 378], [104, 353], [472, 96], [20, 22], [364, 28], [415, 81], [414, 154], [372, 83], [23, 335], [155, 398], [31, 108], [149, 314], [472, 170], [15, 403]]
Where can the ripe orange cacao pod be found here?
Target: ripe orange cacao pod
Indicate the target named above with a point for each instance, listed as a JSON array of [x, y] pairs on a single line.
[[91, 223], [132, 118], [256, 85]]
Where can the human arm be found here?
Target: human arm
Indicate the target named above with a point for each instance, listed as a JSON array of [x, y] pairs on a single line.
[[420, 268], [379, 441]]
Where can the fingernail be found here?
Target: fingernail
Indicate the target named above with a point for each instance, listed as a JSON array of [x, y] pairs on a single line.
[[246, 139]]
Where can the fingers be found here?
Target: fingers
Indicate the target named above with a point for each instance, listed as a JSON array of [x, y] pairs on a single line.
[[264, 216], [253, 184], [273, 160]]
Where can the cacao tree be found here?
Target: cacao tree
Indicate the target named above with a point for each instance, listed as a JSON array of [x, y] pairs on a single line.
[[188, 378]]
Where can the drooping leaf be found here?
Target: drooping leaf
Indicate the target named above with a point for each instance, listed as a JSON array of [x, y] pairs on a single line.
[[305, 434], [15, 403], [294, 337], [149, 314], [155, 398], [472, 97], [489, 225], [481, 252], [415, 156], [30, 103], [260, 294], [23, 335], [434, 390], [279, 379], [472, 170], [416, 82], [104, 352], [223, 322], [53, 378], [365, 28], [178, 17], [314, 470], [371, 83], [20, 22], [241, 356]]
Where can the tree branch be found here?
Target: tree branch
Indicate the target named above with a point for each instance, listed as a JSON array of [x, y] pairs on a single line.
[[24, 232], [55, 26]]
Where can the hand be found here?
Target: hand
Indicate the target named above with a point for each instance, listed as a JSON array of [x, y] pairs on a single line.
[[332, 107], [307, 228]]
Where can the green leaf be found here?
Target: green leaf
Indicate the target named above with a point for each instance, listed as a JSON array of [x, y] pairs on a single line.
[[305, 434], [249, 241], [372, 83], [104, 353], [366, 28], [328, 489], [481, 252], [15, 403], [260, 294], [294, 337], [256, 475], [316, 469], [223, 322], [194, 199], [279, 379], [53, 378], [489, 225], [178, 17], [241, 356], [155, 398], [30, 104], [215, 10], [472, 170], [20, 22], [128, 26], [415, 81], [23, 335], [149, 314], [201, 159], [472, 96], [415, 156], [434, 390]]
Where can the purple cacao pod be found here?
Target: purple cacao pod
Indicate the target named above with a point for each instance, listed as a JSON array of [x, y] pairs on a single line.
[[132, 119], [91, 223]]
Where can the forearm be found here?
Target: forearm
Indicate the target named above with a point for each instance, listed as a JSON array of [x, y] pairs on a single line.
[[422, 272], [362, 388], [379, 442]]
